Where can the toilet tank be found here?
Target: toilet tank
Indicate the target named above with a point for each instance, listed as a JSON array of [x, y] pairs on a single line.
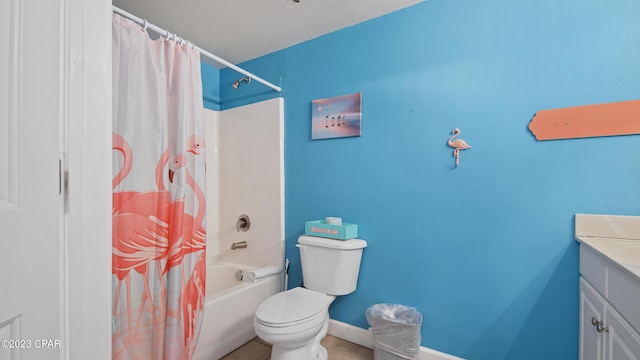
[[330, 266]]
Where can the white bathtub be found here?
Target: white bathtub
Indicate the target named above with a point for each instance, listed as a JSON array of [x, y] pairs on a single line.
[[229, 309]]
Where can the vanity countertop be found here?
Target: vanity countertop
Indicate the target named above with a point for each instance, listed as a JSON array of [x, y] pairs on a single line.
[[615, 237]]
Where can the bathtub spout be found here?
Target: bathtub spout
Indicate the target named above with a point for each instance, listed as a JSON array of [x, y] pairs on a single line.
[[239, 245]]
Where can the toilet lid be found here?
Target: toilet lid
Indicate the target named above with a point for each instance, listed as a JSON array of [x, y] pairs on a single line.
[[291, 306]]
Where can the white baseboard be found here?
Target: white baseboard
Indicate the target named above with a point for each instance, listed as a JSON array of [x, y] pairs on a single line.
[[363, 337]]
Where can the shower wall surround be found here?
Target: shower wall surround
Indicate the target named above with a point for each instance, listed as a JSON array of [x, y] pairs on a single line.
[[245, 175]]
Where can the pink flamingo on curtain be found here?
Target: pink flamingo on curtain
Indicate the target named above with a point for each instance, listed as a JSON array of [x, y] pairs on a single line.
[[134, 245], [135, 248], [193, 302], [156, 206], [194, 143], [120, 144], [150, 203], [196, 238], [177, 217], [193, 237], [177, 214]]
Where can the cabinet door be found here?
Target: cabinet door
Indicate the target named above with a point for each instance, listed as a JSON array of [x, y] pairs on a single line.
[[623, 343], [591, 307]]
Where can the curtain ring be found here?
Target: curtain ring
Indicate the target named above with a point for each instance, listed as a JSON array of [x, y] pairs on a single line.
[[166, 35], [145, 25]]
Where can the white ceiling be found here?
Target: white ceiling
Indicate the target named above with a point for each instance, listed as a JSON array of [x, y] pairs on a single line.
[[240, 30]]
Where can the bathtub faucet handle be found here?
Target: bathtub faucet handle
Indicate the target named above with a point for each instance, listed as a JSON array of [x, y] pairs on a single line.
[[239, 245], [243, 223]]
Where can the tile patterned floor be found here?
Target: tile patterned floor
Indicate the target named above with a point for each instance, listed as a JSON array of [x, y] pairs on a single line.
[[338, 350]]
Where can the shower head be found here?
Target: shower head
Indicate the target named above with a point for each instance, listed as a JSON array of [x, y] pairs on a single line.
[[236, 84]]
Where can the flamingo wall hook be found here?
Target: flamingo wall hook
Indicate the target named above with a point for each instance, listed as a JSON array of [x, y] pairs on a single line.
[[457, 145]]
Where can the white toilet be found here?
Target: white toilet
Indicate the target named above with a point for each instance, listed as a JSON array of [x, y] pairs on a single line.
[[294, 321]]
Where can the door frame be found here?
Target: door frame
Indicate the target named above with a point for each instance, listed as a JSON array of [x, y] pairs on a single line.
[[86, 130]]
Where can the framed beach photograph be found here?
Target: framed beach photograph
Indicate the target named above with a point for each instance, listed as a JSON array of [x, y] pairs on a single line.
[[336, 117]]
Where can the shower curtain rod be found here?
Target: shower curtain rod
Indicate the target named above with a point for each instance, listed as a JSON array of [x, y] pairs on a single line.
[[166, 33]]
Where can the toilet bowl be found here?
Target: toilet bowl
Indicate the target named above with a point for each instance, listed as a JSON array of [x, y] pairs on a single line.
[[296, 320]]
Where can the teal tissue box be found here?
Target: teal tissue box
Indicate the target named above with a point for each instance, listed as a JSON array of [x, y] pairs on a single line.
[[322, 229]]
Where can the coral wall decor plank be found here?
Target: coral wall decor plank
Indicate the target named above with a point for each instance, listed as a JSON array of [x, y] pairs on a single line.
[[618, 118]]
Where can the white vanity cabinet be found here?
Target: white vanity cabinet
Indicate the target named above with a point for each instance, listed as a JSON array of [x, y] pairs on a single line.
[[609, 308]]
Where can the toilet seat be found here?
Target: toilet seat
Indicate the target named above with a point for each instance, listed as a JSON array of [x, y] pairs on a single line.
[[292, 307]]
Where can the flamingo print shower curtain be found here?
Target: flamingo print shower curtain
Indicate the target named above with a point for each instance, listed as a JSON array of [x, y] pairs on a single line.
[[158, 196]]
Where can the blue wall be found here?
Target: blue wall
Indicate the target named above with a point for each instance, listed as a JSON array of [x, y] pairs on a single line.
[[485, 251], [210, 86]]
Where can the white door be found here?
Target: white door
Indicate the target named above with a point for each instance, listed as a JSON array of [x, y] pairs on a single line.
[[54, 73], [30, 196]]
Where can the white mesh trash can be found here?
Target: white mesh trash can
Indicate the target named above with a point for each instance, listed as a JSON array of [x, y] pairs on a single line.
[[396, 331]]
